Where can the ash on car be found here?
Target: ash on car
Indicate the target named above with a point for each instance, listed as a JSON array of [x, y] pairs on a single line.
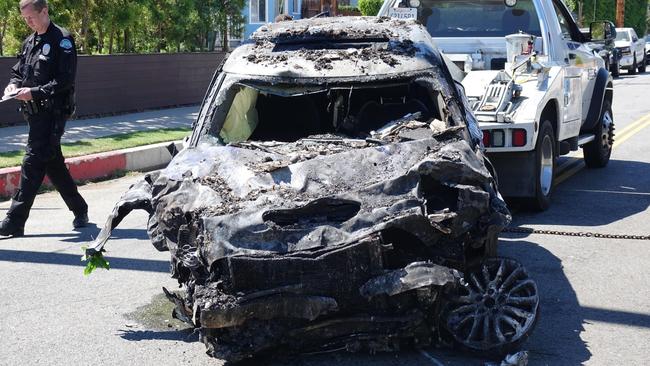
[[334, 195]]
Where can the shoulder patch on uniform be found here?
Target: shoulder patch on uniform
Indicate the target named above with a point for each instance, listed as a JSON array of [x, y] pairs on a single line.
[[66, 44]]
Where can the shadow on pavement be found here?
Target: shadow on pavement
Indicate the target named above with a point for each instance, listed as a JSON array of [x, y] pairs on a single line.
[[86, 235], [140, 234], [89, 233], [556, 339], [616, 316], [185, 335], [406, 357], [596, 197], [144, 265]]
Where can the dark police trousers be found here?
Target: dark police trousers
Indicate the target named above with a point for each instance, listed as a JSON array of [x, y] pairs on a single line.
[[43, 156]]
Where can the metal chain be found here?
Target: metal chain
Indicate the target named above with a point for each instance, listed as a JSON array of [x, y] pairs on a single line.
[[587, 234]]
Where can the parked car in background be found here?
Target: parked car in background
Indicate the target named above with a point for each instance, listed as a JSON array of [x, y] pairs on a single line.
[[647, 45], [607, 50], [632, 49]]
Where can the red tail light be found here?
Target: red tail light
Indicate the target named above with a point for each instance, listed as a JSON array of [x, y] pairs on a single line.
[[518, 137], [486, 138]]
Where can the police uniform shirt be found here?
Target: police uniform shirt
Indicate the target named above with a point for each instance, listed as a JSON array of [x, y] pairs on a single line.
[[47, 65]]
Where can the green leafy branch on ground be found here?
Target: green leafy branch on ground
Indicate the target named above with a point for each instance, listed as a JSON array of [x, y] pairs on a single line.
[[94, 261], [103, 144]]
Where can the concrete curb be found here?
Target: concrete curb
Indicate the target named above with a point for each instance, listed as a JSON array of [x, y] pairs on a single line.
[[100, 165]]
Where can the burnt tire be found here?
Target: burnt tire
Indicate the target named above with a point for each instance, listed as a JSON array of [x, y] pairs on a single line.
[[544, 168], [496, 310], [598, 152]]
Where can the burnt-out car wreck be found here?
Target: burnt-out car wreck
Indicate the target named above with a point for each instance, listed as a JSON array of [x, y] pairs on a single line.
[[333, 195]]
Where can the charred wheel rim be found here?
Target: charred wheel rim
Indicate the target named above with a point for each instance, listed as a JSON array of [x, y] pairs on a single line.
[[496, 308], [546, 165]]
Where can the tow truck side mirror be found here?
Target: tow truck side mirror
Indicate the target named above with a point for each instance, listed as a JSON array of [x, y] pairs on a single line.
[[602, 31]]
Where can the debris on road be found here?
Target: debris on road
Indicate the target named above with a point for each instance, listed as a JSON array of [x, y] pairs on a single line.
[[518, 359]]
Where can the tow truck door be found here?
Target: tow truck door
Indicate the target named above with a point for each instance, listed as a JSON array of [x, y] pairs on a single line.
[[579, 73]]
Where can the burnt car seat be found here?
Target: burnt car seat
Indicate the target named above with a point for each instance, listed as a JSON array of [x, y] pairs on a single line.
[[373, 115]]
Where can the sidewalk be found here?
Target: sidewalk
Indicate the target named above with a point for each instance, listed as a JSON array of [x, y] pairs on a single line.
[[15, 138], [102, 164]]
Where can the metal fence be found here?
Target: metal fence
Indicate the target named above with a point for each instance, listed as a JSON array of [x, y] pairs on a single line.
[[126, 83]]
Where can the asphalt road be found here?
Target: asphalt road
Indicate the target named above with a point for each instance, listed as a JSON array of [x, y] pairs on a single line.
[[595, 297]]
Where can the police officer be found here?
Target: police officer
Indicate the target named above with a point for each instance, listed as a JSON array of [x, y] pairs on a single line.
[[44, 82]]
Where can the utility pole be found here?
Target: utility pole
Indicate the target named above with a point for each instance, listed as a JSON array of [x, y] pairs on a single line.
[[620, 13]]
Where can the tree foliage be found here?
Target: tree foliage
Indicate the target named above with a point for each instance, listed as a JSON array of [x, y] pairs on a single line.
[[635, 12], [370, 7], [127, 26]]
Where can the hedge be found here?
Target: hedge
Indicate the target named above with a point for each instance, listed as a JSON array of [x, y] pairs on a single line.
[[370, 7]]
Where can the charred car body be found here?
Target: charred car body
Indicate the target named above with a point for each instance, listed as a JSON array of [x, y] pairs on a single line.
[[334, 196]]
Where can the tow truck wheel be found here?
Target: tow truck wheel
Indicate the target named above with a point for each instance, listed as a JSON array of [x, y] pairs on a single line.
[[597, 152], [544, 168], [495, 310]]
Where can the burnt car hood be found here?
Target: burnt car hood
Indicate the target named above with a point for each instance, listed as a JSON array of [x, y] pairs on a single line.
[[255, 199]]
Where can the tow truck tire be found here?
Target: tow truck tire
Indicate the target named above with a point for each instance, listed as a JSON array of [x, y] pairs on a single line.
[[632, 70], [642, 65], [597, 152], [544, 168]]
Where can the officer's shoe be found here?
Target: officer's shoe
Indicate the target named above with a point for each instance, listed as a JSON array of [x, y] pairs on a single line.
[[9, 228], [80, 220]]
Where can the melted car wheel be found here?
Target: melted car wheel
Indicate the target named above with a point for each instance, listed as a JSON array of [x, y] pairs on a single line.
[[496, 309]]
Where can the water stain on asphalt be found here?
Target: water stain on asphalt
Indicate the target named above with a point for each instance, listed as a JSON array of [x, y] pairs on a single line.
[[156, 315]]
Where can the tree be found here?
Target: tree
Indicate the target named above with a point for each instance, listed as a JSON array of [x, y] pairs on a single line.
[[593, 10], [5, 6], [228, 18], [110, 26], [370, 7]]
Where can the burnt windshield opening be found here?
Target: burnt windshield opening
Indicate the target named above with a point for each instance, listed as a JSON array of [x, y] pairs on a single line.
[[258, 113], [291, 118]]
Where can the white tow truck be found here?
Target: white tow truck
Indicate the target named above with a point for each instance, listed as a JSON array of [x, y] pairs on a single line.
[[535, 87]]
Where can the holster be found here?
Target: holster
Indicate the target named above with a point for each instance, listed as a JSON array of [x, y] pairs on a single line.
[[34, 107]]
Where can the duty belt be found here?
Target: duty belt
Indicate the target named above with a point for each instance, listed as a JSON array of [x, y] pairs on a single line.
[[34, 107]]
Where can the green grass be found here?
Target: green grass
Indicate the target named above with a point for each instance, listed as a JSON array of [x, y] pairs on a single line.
[[102, 144]]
